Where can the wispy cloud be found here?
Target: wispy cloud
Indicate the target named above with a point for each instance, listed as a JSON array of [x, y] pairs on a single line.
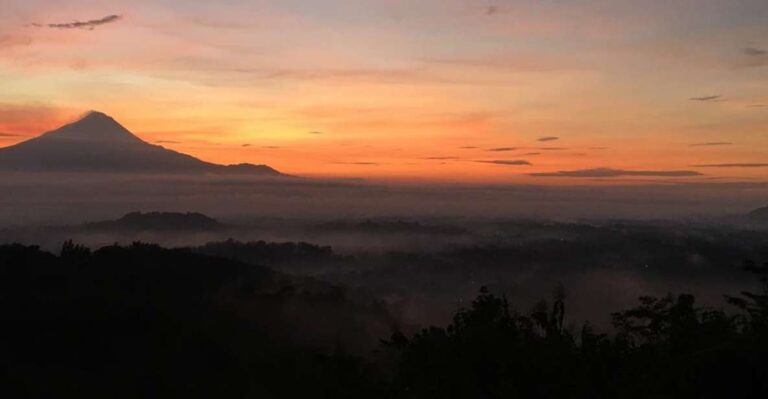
[[492, 10], [442, 158], [754, 57], [7, 41], [732, 165], [502, 149], [549, 138], [270, 147], [552, 148], [316, 132], [609, 172], [246, 145], [711, 144], [515, 162], [167, 142], [8, 135], [755, 52], [706, 98], [362, 163], [468, 147], [88, 25], [757, 106]]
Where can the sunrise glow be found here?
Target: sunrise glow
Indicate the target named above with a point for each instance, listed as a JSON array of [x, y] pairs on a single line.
[[564, 92]]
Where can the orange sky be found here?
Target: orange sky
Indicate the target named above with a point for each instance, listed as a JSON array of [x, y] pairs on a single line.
[[438, 90]]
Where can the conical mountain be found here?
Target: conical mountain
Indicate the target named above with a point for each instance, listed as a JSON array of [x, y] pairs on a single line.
[[97, 143]]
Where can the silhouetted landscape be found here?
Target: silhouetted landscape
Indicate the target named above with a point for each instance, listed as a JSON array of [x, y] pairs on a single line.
[[368, 199], [385, 308]]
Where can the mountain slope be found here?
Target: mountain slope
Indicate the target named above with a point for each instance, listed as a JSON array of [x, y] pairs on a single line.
[[97, 143]]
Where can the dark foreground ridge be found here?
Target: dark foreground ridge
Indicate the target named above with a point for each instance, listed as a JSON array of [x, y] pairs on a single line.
[[98, 144], [143, 321]]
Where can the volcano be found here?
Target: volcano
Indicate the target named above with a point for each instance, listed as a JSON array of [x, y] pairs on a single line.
[[97, 143]]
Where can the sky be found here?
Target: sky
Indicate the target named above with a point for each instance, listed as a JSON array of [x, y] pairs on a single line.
[[523, 91]]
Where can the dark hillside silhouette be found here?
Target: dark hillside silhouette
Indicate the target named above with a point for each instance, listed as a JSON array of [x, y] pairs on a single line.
[[664, 348], [143, 321]]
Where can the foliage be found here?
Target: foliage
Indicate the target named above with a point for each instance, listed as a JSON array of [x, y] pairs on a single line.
[[143, 321]]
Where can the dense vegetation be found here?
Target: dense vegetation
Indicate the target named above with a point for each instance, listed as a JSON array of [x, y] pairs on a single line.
[[143, 321]]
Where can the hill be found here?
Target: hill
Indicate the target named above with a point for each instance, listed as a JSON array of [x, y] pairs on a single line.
[[759, 215], [159, 221]]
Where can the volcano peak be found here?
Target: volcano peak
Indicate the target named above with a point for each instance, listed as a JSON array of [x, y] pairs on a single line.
[[98, 143]]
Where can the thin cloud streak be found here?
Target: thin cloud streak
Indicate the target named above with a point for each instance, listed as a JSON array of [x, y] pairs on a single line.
[[609, 172], [755, 52], [732, 165], [705, 98], [88, 25], [712, 144], [516, 162]]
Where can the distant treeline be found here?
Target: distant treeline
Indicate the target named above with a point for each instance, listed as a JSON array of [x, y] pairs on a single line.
[[144, 321]]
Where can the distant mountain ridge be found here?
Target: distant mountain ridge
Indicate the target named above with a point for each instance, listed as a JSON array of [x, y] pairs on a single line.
[[159, 221], [759, 215], [98, 143]]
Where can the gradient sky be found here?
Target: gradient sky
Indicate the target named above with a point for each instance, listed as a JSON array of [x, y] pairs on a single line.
[[533, 91]]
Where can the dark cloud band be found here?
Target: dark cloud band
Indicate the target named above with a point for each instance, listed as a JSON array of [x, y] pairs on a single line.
[[732, 165], [516, 162], [89, 25]]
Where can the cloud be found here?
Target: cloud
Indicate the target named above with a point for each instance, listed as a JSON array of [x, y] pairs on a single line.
[[502, 149], [755, 52], [711, 144], [754, 57], [491, 10], [522, 62], [7, 41], [246, 145], [442, 158], [757, 106], [552, 148], [201, 68], [597, 148], [516, 162], [609, 172], [8, 135], [167, 142], [88, 25], [532, 153], [705, 98], [733, 165], [271, 147], [468, 147], [549, 138], [31, 119], [316, 132], [359, 163]]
